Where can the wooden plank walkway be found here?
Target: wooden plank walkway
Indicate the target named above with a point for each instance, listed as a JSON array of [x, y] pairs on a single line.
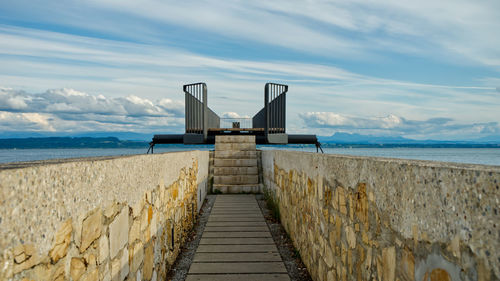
[[237, 244]]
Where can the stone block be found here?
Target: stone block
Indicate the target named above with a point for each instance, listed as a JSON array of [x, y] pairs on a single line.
[[92, 275], [112, 210], [43, 272], [389, 263], [91, 229], [90, 260], [351, 237], [120, 267], [118, 232], [77, 268], [25, 257], [105, 272], [103, 249], [408, 264], [135, 231], [234, 146], [58, 273], [329, 259], [148, 262], [62, 238], [136, 256]]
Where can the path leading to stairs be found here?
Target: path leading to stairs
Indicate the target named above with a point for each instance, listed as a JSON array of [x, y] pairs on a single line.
[[236, 244]]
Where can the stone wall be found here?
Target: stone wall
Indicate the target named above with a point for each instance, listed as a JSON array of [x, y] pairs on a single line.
[[112, 219], [361, 218]]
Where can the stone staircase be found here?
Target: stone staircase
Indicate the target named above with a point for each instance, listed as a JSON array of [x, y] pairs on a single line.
[[235, 165]]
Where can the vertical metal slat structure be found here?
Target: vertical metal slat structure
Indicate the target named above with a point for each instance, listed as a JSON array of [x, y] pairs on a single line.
[[274, 112]]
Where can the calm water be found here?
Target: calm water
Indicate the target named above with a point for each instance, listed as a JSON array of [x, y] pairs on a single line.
[[487, 156]]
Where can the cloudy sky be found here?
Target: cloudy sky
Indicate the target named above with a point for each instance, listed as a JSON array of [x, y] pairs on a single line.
[[419, 69]]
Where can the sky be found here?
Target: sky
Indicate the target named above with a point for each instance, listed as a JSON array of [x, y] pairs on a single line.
[[418, 69]]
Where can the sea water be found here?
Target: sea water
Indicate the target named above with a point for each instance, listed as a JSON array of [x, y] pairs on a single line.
[[486, 156]]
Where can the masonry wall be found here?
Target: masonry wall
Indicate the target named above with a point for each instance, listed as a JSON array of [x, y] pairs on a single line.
[[108, 219], [360, 218]]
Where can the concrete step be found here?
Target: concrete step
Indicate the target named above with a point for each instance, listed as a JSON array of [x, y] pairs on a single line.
[[227, 171], [234, 139], [236, 154], [234, 146], [235, 163], [228, 189], [237, 179]]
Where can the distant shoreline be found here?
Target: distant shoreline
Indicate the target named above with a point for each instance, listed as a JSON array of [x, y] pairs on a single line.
[[113, 142]]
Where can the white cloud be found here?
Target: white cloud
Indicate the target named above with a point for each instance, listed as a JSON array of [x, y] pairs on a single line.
[[71, 110], [13, 121], [438, 128]]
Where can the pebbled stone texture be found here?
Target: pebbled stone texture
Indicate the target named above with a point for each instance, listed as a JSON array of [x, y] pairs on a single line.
[[388, 219]]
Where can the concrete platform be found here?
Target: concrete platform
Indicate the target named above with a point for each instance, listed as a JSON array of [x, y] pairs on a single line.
[[236, 244]]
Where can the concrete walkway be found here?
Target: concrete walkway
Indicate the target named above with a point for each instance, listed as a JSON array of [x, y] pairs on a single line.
[[237, 244]]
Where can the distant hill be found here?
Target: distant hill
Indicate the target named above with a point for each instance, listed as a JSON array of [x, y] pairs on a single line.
[[69, 142], [119, 135], [346, 139]]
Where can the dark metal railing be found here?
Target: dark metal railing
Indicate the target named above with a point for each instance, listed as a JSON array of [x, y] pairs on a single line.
[[198, 116], [195, 98], [236, 123], [275, 103]]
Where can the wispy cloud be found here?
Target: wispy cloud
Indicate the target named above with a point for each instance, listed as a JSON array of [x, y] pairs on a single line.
[[438, 128], [420, 60]]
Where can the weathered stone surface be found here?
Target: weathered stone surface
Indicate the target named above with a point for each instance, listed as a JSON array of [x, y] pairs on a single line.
[[120, 267], [329, 260], [454, 246], [380, 207], [118, 232], [105, 272], [90, 260], [91, 229], [91, 276], [103, 249], [43, 271], [62, 238], [135, 231], [389, 263], [136, 256], [112, 210], [408, 264], [25, 257], [115, 269], [124, 265], [148, 262], [439, 274], [77, 268], [58, 273], [351, 237]]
